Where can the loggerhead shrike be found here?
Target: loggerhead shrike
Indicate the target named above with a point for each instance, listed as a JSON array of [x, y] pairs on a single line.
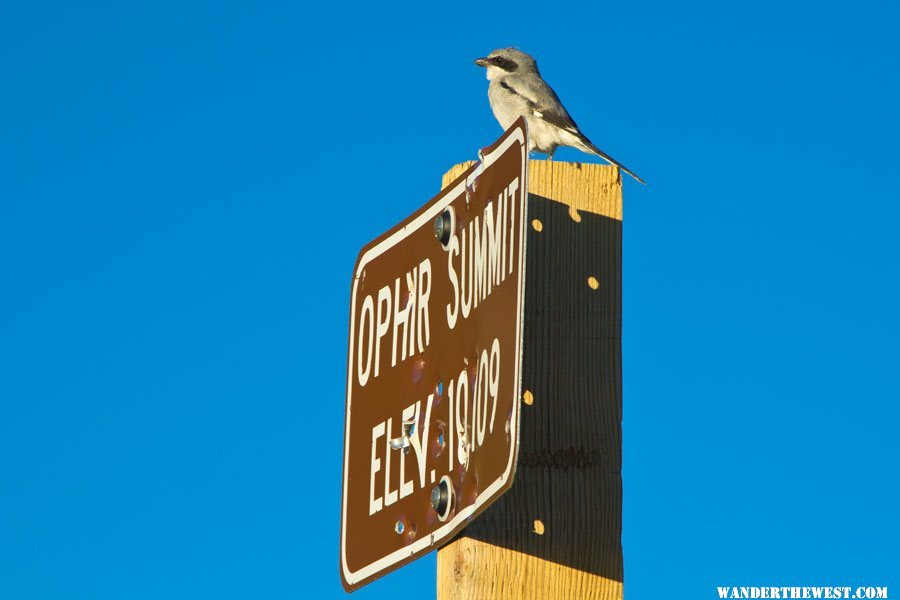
[[517, 89]]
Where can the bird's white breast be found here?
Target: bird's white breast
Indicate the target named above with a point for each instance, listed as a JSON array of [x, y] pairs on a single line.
[[505, 109]]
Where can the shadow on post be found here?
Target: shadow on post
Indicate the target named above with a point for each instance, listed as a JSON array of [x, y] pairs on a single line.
[[568, 483]]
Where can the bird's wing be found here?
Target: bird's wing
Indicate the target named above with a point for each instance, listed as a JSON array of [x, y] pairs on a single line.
[[541, 100], [544, 104]]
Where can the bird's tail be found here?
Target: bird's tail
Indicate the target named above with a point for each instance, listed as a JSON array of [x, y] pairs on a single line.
[[589, 147]]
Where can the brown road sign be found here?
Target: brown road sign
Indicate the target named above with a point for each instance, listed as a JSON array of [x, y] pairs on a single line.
[[434, 367]]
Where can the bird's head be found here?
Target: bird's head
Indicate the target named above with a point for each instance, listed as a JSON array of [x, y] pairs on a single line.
[[505, 61]]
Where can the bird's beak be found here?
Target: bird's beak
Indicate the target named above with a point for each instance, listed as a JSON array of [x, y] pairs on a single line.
[[483, 62]]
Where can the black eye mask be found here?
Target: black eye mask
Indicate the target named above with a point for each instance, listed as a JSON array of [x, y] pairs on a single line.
[[504, 63]]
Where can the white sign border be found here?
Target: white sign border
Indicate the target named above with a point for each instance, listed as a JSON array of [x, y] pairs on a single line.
[[354, 577]]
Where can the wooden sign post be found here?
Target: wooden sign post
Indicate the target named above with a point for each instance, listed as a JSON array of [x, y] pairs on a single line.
[[557, 532]]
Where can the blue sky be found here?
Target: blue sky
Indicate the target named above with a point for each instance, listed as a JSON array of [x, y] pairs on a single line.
[[183, 190]]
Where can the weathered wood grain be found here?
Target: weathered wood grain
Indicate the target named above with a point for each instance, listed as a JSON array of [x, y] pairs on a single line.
[[557, 532]]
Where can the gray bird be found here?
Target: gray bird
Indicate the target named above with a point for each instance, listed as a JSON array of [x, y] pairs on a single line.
[[517, 89]]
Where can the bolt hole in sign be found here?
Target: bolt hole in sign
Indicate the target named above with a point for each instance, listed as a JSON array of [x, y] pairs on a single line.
[[434, 367]]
